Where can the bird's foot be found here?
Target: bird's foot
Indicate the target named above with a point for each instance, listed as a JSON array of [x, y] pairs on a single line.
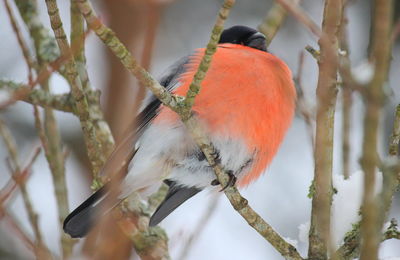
[[230, 183]]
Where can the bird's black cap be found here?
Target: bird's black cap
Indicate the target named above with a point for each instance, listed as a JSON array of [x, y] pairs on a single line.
[[244, 35]]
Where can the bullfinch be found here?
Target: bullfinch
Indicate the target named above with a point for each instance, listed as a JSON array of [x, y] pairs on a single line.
[[245, 105]]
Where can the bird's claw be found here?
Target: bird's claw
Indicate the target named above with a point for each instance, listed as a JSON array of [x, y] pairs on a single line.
[[230, 183]]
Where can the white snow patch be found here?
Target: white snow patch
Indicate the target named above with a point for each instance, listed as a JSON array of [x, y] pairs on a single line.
[[346, 203], [303, 232], [293, 242], [363, 72]]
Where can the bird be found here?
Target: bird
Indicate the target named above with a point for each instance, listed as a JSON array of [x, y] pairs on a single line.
[[246, 105]]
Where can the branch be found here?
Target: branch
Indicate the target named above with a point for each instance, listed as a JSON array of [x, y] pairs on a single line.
[[78, 38], [96, 156], [346, 93], [298, 13], [205, 62], [273, 21], [395, 137], [18, 173], [319, 235], [21, 42], [150, 243], [193, 127], [390, 169], [371, 224], [51, 142], [39, 97], [392, 231]]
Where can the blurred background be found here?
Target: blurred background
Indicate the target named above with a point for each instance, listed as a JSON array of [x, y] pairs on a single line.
[[158, 32]]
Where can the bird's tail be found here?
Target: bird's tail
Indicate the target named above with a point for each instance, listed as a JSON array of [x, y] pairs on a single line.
[[79, 221]]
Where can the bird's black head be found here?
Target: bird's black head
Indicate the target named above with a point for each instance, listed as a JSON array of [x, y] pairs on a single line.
[[244, 35]]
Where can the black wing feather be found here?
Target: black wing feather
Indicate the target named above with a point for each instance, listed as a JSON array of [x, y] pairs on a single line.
[[175, 197], [79, 221]]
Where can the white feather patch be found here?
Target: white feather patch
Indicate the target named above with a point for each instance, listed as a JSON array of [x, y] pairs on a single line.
[[167, 151]]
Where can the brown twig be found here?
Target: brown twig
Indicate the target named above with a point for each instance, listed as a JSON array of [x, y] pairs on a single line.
[[380, 55], [301, 16], [23, 46], [20, 233], [346, 93], [319, 235], [302, 105], [17, 173], [273, 20]]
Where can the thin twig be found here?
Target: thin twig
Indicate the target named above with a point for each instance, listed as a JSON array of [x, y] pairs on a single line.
[[50, 139], [273, 21], [302, 105], [301, 16], [21, 42], [346, 93], [16, 228], [78, 38], [17, 172]]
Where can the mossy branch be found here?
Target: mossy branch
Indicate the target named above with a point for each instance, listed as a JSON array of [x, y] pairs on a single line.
[[205, 62], [96, 156], [46, 51]]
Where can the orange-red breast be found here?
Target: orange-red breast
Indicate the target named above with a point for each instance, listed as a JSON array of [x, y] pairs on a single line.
[[245, 105]]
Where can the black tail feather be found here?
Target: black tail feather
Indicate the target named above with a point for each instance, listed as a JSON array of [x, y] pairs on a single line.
[[175, 197], [79, 221]]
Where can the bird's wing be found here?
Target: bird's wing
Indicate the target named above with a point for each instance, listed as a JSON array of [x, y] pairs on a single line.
[[78, 222], [117, 163]]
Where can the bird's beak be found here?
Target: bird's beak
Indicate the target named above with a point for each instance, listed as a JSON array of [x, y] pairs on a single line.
[[257, 41]]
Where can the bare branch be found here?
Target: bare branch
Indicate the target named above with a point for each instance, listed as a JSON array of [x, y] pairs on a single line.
[[380, 55], [273, 20], [18, 176], [301, 16], [21, 42], [319, 235]]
